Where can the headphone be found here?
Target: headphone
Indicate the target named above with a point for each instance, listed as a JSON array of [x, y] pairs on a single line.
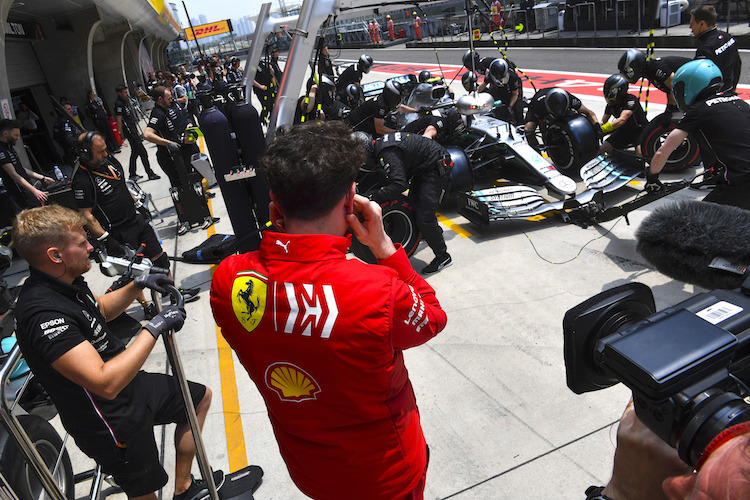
[[84, 151], [57, 255]]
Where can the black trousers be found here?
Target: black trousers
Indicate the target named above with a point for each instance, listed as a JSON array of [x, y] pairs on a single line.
[[169, 164], [137, 150], [104, 128], [424, 192], [728, 194]]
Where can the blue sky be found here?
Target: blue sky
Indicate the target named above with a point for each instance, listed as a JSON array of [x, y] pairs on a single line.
[[216, 10]]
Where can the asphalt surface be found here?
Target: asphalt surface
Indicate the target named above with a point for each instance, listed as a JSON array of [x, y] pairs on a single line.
[[603, 61]]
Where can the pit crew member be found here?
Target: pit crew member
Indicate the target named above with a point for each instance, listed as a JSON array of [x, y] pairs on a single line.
[[422, 166], [104, 401], [16, 177], [548, 105], [629, 116], [658, 71], [128, 129], [722, 125]]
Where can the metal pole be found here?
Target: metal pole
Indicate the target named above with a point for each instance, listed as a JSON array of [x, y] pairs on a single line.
[[190, 23], [179, 374], [16, 432]]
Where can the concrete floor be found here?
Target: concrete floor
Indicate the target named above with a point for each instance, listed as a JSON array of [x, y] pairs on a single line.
[[499, 419]]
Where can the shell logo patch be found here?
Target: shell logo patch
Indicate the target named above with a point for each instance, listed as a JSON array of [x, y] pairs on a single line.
[[249, 298], [291, 383]]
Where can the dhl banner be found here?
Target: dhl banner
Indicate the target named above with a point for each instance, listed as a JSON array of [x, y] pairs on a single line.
[[209, 29]]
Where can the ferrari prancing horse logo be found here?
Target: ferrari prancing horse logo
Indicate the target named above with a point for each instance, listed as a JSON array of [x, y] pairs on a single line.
[[249, 298]]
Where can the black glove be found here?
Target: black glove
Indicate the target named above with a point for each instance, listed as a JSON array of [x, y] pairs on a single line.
[[155, 281], [170, 318], [599, 131], [423, 110], [113, 246], [653, 184], [173, 147]]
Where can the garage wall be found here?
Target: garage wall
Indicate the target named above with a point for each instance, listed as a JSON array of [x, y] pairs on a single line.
[[22, 65]]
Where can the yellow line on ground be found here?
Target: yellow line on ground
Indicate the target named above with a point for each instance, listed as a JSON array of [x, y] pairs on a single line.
[[236, 453], [454, 227]]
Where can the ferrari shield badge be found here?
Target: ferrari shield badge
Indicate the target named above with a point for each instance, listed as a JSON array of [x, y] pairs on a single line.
[[249, 298]]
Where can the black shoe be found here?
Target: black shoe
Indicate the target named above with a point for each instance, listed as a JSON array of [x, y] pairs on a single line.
[[115, 151], [190, 294], [149, 310], [438, 264], [198, 490], [210, 195], [183, 228], [153, 177], [136, 177]]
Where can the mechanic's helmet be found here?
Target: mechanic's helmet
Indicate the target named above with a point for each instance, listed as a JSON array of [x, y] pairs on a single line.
[[365, 63], [615, 88], [424, 75], [469, 81], [471, 59], [392, 94], [366, 140], [455, 121], [328, 89], [632, 65], [557, 102], [499, 72], [695, 80], [353, 94]]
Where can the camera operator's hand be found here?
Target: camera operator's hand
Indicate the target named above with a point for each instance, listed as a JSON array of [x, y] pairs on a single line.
[[173, 147], [366, 221], [170, 318], [155, 281], [642, 461]]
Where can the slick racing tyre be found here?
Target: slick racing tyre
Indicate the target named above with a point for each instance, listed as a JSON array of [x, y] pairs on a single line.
[[654, 133], [400, 222], [21, 476], [462, 174], [571, 142]]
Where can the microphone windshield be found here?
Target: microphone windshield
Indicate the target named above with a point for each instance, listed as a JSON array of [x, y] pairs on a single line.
[[682, 239]]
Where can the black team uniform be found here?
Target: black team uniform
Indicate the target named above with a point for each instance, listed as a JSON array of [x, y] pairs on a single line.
[[350, 75], [52, 318], [721, 48], [17, 193], [170, 124], [504, 93], [722, 126], [422, 166], [130, 130], [103, 189], [659, 69], [99, 116], [362, 118], [538, 110], [630, 132]]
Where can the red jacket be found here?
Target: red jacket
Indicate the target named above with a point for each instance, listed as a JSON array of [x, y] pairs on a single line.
[[321, 336]]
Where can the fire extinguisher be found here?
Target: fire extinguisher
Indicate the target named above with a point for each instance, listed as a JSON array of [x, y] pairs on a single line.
[[115, 132]]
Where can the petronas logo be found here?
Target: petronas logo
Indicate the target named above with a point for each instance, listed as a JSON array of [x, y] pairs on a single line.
[[291, 383]]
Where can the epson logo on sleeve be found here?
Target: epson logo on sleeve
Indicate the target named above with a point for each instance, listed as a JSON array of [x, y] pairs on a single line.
[[153, 121], [52, 322], [78, 194]]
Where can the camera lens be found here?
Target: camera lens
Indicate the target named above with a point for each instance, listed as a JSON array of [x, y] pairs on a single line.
[[717, 411]]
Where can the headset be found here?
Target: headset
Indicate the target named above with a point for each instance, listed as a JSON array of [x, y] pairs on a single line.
[[84, 151]]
